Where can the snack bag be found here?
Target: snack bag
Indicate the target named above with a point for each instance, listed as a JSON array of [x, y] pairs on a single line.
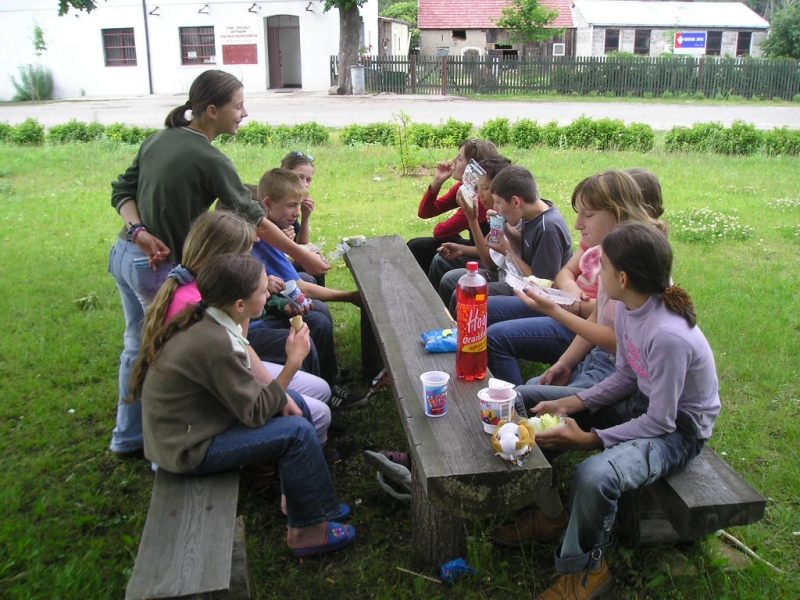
[[469, 182], [441, 340]]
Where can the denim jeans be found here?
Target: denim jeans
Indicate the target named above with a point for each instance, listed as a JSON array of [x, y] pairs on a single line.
[[594, 368], [138, 285], [441, 267], [541, 339], [507, 308], [291, 442], [599, 481], [424, 249]]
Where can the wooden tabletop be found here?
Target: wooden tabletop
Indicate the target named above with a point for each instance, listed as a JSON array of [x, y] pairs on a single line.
[[453, 455]]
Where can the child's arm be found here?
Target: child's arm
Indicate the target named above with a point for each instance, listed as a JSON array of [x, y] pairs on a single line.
[[313, 263], [317, 292], [428, 206], [304, 234], [561, 371], [481, 250], [298, 345], [451, 251]]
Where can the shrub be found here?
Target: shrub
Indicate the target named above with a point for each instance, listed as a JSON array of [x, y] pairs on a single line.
[[380, 134], [608, 133], [28, 133], [552, 135], [699, 96], [255, 134], [783, 141], [497, 131], [796, 98], [454, 132], [667, 95], [35, 83], [580, 133], [6, 130], [423, 135], [678, 138], [647, 95], [740, 138], [638, 137], [281, 136], [74, 131], [310, 134], [526, 134], [122, 134]]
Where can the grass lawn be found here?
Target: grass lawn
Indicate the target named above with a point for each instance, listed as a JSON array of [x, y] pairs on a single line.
[[72, 514]]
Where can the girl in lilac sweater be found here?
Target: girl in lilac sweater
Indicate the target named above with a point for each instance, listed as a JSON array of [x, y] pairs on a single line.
[[649, 418]]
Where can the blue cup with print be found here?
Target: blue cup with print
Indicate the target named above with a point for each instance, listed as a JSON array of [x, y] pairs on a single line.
[[434, 390], [496, 223]]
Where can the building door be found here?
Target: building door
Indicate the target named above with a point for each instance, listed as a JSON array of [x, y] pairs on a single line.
[[283, 52]]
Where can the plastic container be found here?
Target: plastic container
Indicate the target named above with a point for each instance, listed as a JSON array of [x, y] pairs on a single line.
[[471, 352]]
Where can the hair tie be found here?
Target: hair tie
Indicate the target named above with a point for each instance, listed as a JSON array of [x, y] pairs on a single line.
[[181, 274], [188, 105], [202, 305]]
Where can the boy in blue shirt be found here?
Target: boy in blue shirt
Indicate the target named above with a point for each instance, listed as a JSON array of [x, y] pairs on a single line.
[[282, 192]]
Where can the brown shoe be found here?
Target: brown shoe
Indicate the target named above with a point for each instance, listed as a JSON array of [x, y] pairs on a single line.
[[585, 585], [532, 526]]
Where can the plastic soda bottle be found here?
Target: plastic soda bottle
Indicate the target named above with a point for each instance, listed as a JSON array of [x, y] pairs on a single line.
[[471, 352]]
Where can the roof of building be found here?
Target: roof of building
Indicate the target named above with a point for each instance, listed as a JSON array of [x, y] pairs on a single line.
[[683, 15], [478, 14]]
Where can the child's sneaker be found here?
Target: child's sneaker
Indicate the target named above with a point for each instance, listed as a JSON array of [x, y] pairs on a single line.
[[341, 399]]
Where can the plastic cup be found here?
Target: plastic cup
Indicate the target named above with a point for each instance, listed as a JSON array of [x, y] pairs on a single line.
[[496, 223], [495, 407], [434, 390]]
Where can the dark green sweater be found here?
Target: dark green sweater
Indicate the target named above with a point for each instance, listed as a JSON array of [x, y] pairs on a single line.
[[176, 176]]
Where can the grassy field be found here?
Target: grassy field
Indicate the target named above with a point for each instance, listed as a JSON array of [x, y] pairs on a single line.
[[72, 514]]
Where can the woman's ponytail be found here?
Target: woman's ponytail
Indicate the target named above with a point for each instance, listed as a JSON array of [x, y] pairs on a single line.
[[680, 302]]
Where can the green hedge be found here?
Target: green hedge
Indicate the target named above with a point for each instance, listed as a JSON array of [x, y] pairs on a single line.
[[739, 139]]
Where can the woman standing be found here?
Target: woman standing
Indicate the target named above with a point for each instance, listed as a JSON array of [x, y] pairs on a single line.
[[176, 176]]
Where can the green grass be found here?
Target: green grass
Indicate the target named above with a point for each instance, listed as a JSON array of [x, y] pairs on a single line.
[[72, 514], [683, 98]]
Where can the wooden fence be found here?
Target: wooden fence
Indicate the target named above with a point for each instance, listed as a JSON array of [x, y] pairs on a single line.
[[582, 75]]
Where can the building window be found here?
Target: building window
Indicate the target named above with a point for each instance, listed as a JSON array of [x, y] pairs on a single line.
[[612, 40], [743, 43], [119, 47], [198, 45], [460, 35], [713, 43], [641, 42]]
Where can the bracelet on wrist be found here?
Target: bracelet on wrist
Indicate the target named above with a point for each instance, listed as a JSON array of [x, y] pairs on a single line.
[[134, 230]]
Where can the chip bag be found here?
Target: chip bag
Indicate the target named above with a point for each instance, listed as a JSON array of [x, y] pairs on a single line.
[[441, 340]]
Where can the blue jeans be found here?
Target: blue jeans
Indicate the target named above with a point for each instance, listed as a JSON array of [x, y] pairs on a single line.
[[507, 308], [138, 285], [541, 339], [441, 267], [311, 497], [594, 368], [599, 481]]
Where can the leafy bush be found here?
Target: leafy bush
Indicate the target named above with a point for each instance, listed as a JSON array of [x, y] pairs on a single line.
[[123, 134], [423, 135], [379, 134], [551, 135], [608, 133], [741, 138], [35, 83], [497, 131], [580, 133], [526, 134], [255, 134], [454, 132], [638, 137], [28, 133], [310, 134], [6, 130], [781, 141], [75, 131], [702, 137]]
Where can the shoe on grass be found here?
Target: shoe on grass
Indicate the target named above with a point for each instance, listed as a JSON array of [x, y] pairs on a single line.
[[531, 526], [332, 455], [585, 585], [341, 399]]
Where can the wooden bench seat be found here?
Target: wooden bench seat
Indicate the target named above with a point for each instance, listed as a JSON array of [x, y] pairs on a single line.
[[192, 542], [456, 474], [704, 497]]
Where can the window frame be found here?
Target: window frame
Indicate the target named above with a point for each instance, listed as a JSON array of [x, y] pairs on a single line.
[[606, 49], [192, 40], [124, 43], [717, 49], [642, 35], [739, 52]]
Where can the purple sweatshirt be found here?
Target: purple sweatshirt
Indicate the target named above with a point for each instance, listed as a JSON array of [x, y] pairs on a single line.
[[671, 363]]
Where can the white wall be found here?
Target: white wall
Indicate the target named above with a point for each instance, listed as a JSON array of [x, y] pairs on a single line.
[[75, 48]]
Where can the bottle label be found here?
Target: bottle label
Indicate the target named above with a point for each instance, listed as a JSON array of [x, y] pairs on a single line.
[[472, 320]]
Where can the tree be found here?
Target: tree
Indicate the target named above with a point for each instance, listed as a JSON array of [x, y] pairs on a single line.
[[527, 21], [406, 11], [349, 37], [65, 5], [784, 33]]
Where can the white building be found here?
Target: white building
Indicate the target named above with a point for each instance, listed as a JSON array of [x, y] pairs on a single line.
[[655, 28], [138, 47]]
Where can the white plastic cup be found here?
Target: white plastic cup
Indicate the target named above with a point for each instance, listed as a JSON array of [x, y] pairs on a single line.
[[496, 223], [495, 407], [434, 392]]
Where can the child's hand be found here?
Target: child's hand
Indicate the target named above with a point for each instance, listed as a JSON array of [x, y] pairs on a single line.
[[500, 244], [298, 344], [155, 249], [314, 264], [275, 284], [450, 250], [444, 170], [537, 302], [568, 437], [289, 232], [291, 409], [306, 207], [558, 374], [468, 207]]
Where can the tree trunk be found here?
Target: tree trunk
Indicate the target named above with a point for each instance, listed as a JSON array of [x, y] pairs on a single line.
[[349, 34]]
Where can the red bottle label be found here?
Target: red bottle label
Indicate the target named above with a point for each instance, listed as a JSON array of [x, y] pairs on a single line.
[[472, 317]]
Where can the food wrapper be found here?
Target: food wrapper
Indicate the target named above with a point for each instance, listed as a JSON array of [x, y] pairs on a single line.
[[440, 340], [469, 181]]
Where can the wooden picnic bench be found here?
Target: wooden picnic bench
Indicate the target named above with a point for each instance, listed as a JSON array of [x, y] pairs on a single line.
[[455, 472], [192, 542]]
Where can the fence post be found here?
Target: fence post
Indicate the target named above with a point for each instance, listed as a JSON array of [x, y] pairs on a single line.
[[700, 87], [413, 73], [444, 76]]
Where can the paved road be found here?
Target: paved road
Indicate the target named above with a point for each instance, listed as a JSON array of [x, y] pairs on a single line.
[[338, 111]]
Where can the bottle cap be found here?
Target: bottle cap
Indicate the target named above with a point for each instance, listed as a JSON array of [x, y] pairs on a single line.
[[472, 266]]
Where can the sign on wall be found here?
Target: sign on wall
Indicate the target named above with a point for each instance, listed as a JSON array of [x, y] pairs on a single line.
[[690, 42], [239, 45]]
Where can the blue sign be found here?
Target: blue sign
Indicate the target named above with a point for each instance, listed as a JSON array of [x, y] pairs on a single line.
[[690, 40]]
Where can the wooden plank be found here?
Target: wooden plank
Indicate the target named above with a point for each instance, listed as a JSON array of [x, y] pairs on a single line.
[[707, 495], [187, 543], [458, 468]]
